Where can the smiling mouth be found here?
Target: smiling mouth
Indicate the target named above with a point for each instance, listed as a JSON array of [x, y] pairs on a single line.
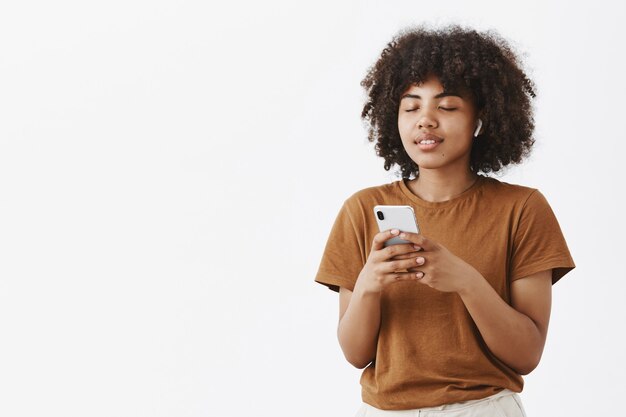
[[428, 142], [428, 139]]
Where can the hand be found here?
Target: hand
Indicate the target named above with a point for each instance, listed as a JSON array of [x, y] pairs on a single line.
[[439, 268], [381, 269]]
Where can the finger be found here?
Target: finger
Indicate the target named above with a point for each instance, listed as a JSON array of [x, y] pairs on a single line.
[[401, 249], [402, 276], [402, 265], [419, 240], [420, 264], [416, 272], [382, 237], [409, 255]]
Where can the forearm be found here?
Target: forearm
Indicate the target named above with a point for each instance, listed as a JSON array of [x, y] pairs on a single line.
[[358, 328], [510, 335]]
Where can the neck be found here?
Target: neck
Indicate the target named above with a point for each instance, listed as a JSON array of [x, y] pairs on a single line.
[[436, 186]]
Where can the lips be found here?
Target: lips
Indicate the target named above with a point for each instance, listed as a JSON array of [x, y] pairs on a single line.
[[428, 146], [428, 136]]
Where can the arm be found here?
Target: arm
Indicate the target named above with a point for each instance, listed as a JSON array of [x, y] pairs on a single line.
[[359, 311], [515, 334], [359, 322]]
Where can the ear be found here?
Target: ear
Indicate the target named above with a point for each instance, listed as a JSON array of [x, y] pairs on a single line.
[[479, 125]]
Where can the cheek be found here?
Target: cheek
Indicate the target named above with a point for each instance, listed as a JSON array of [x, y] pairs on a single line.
[[467, 125], [405, 126], [463, 130]]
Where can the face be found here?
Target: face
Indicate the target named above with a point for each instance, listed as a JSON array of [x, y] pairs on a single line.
[[437, 126]]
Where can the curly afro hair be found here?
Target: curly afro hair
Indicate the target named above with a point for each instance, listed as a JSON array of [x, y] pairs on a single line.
[[463, 59]]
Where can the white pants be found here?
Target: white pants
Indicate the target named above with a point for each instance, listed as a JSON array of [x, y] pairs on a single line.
[[506, 403]]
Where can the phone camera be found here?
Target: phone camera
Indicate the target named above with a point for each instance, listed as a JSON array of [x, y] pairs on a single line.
[[380, 215]]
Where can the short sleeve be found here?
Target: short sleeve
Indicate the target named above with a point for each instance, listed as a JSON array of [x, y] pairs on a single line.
[[538, 243], [344, 255]]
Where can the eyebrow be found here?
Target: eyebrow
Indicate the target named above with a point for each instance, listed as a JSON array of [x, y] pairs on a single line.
[[440, 95]]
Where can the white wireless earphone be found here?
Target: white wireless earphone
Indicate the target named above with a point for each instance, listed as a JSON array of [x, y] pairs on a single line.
[[480, 124]]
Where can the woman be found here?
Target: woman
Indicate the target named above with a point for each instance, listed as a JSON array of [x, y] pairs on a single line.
[[450, 322]]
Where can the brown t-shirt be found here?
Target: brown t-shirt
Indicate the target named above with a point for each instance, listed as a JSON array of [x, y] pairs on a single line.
[[430, 351]]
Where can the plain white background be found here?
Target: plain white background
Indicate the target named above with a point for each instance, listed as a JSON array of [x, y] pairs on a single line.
[[170, 171]]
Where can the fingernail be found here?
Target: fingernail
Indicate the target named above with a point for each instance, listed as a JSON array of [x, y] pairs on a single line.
[[395, 231], [416, 247], [419, 274], [419, 260]]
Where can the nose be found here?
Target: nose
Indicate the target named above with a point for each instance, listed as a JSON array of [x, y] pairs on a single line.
[[426, 121]]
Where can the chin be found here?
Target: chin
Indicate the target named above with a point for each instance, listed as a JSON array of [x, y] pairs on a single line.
[[429, 166], [426, 164]]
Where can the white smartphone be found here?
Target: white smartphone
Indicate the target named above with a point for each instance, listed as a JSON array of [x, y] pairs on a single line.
[[396, 217]]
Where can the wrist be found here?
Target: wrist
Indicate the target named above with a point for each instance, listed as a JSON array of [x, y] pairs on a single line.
[[363, 290], [472, 284]]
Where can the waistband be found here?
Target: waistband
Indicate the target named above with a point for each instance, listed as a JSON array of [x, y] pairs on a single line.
[[446, 407]]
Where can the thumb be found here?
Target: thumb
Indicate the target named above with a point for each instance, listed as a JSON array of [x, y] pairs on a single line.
[[382, 237]]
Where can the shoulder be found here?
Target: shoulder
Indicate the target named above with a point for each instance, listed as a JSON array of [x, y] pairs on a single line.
[[523, 205], [507, 190], [508, 193], [379, 194], [362, 201], [359, 205]]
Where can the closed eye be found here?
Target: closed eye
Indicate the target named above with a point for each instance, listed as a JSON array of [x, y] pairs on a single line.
[[442, 108]]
